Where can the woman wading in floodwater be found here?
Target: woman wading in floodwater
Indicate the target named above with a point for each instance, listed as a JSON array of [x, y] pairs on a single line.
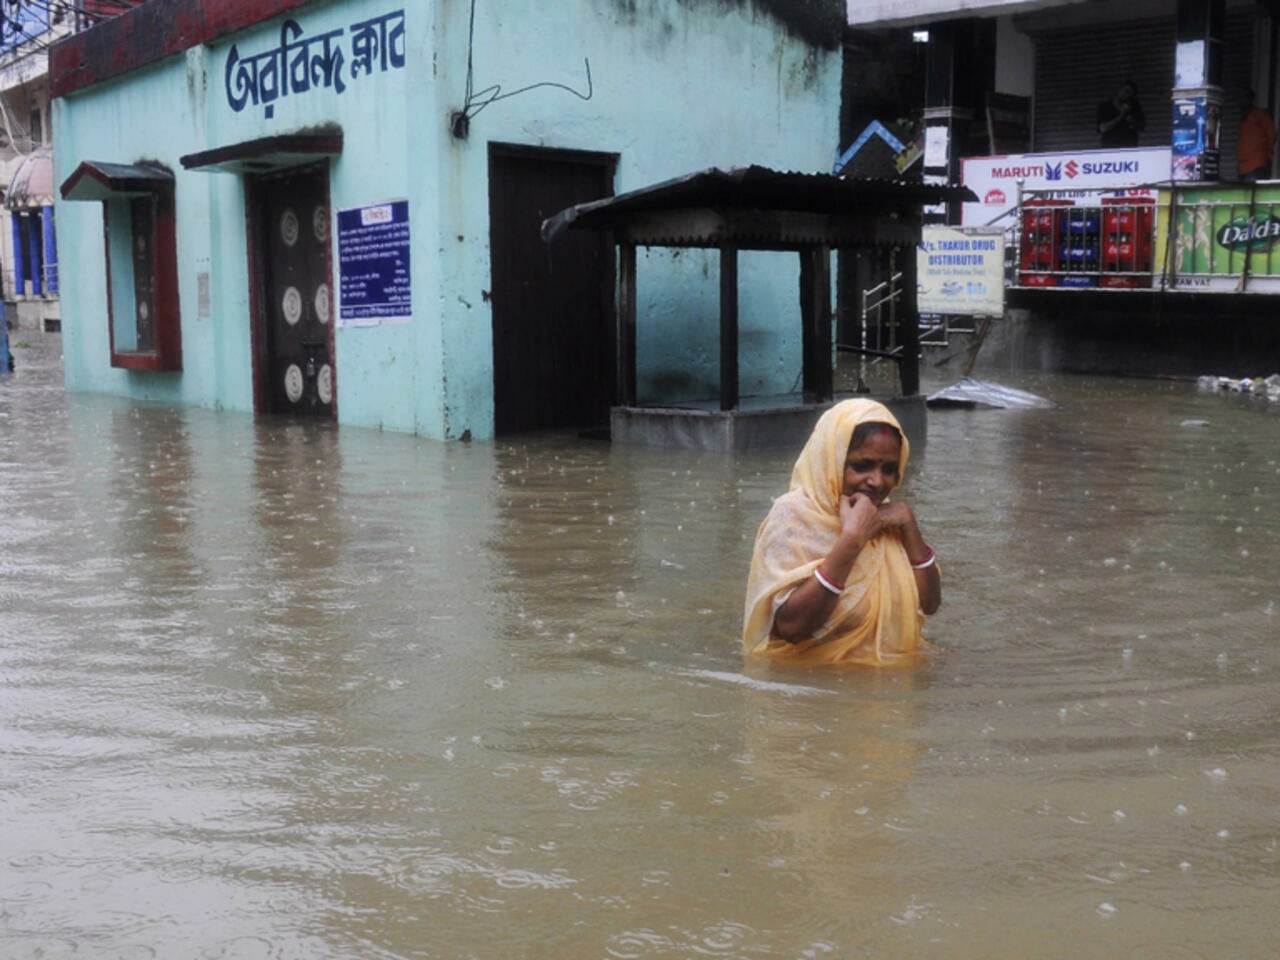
[[840, 574]]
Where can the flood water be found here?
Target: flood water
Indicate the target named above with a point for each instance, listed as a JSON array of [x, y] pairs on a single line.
[[275, 690]]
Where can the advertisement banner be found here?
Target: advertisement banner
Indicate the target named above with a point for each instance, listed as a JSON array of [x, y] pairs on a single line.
[[960, 273], [1196, 124], [1219, 235], [1078, 176]]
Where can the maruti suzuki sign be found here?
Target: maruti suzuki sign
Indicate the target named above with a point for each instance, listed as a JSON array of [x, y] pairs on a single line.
[[1078, 176]]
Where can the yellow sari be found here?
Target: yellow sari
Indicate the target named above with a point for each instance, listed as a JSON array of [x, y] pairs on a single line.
[[877, 619]]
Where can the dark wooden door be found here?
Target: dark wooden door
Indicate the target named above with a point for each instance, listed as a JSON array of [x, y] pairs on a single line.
[[553, 313], [296, 365]]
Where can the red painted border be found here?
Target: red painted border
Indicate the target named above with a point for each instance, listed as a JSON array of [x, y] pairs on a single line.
[[149, 33]]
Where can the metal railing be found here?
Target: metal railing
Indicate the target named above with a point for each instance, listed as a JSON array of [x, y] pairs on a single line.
[[878, 301]]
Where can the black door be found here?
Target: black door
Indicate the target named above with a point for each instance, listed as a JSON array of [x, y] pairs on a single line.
[[293, 222], [553, 311]]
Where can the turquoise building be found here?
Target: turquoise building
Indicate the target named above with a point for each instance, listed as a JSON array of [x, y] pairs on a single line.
[[332, 209]]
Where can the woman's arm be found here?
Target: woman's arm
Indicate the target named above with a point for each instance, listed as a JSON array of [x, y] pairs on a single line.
[[810, 604], [928, 580]]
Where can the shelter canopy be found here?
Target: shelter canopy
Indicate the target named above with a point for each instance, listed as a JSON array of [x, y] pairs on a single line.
[[755, 208]]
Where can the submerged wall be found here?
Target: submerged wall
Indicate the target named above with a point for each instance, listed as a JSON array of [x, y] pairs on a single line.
[[1144, 335]]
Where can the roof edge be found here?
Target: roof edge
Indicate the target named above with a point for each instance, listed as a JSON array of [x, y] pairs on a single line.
[[149, 33]]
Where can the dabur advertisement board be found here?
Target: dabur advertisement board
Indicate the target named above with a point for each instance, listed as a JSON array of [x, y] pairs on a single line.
[[1076, 176], [1225, 239]]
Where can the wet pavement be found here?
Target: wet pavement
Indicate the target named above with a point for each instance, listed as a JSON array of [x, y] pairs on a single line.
[[289, 691]]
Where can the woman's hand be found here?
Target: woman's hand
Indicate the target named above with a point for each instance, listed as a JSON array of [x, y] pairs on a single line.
[[896, 516], [860, 520]]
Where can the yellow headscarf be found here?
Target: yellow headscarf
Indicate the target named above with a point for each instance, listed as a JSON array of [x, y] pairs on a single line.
[[877, 619]]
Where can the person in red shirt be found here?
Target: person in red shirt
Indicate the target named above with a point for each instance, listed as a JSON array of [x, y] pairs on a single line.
[[1256, 145]]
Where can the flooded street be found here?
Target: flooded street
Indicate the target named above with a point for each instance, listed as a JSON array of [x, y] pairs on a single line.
[[274, 690]]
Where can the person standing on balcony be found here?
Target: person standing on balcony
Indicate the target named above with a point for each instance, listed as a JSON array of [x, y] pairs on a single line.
[[1256, 144], [1120, 119]]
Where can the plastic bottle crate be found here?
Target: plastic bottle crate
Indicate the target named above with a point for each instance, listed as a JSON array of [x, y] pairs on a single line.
[[1038, 280], [1079, 221]]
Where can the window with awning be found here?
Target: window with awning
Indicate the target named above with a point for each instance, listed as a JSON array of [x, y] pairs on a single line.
[[141, 260]]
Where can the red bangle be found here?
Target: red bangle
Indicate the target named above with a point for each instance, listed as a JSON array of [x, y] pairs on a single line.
[[827, 581], [924, 564]]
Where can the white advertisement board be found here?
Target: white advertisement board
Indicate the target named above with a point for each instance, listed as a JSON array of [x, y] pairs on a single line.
[[960, 272], [1081, 176]]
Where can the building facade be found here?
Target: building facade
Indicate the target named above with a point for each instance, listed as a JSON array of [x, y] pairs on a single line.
[[29, 271], [333, 208], [28, 247], [1131, 250]]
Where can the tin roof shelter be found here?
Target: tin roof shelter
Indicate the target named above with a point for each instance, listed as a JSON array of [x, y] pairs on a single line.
[[754, 208]]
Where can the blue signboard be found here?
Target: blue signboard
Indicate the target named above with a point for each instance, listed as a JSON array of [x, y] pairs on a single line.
[[373, 264]]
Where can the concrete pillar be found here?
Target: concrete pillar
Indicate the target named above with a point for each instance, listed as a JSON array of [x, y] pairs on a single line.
[[953, 78], [19, 259], [50, 251], [1197, 89]]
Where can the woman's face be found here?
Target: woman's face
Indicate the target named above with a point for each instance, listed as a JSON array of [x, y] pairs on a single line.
[[872, 467]]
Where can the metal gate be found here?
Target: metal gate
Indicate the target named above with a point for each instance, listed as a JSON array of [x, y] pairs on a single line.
[[553, 305]]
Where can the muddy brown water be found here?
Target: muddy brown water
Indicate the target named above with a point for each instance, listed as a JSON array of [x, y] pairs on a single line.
[[273, 690]]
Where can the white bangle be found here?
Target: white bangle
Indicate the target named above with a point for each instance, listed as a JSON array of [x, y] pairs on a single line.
[[827, 583], [927, 563]]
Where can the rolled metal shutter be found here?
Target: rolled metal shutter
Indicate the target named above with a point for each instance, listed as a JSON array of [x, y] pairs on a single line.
[[1078, 68]]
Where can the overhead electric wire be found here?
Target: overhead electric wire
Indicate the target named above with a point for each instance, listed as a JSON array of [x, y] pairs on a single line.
[[38, 41]]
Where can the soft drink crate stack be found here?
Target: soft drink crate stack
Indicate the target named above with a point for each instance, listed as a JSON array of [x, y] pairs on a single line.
[[1070, 246], [1039, 243], [1081, 246], [1127, 244]]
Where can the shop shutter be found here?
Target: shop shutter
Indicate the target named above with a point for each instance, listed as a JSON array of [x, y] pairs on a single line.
[[1077, 68]]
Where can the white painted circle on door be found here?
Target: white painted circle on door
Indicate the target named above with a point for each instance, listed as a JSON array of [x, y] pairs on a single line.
[[293, 383], [289, 227], [143, 310], [324, 384], [320, 223], [322, 303], [292, 306]]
